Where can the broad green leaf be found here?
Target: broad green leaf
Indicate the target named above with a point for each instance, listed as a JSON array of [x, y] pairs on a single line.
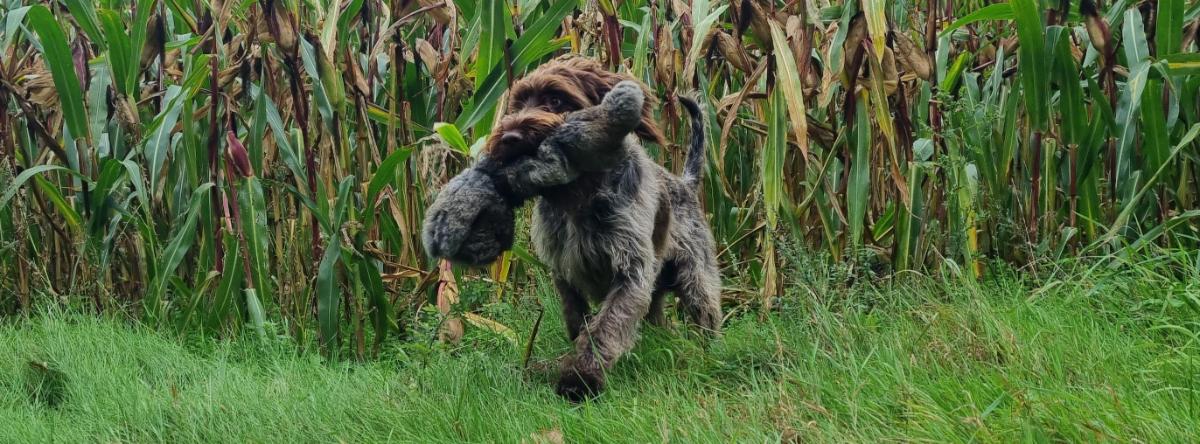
[[385, 174], [224, 305], [495, 27], [328, 296], [1182, 64], [256, 235], [343, 202], [12, 25], [452, 136], [137, 41], [85, 15], [1169, 34], [773, 156], [859, 188], [1137, 53], [1155, 141], [380, 307], [285, 148], [254, 308], [1034, 75], [182, 236], [158, 143], [62, 67], [704, 15], [56, 198], [997, 11], [27, 174]]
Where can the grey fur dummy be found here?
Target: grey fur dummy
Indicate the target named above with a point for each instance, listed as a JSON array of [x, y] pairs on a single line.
[[471, 221]]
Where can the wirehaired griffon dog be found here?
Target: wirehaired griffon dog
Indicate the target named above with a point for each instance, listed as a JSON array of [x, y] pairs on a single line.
[[622, 232], [617, 230]]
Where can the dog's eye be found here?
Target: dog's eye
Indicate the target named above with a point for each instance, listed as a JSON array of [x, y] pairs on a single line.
[[555, 103]]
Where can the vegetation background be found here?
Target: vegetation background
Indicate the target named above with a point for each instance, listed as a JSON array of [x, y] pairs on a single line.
[[261, 167], [937, 220]]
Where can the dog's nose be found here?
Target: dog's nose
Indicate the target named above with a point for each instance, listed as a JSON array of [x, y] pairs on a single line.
[[511, 138]]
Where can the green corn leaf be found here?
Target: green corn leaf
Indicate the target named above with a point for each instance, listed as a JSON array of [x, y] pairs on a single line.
[[1034, 75], [64, 208], [452, 136], [380, 308], [385, 174], [496, 26], [1071, 99], [1133, 35], [224, 305], [1137, 53], [859, 188], [328, 296], [279, 132], [254, 308], [836, 58], [998, 11], [85, 15], [256, 235], [182, 236], [1183, 64], [137, 42], [343, 202], [158, 144], [704, 15], [772, 157], [1155, 142], [12, 24], [28, 173], [120, 58], [62, 67], [1169, 34]]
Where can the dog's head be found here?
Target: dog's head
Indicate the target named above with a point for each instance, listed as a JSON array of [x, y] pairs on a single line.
[[539, 102]]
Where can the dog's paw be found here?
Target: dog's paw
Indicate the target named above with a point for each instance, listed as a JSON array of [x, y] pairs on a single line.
[[576, 387], [624, 104], [578, 382]]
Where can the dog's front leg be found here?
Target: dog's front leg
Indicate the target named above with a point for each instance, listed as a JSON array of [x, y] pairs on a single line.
[[610, 333]]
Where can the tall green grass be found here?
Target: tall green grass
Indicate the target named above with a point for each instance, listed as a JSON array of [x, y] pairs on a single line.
[[228, 166]]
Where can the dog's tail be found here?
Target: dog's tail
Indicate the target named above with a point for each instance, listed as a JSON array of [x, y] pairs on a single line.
[[693, 167]]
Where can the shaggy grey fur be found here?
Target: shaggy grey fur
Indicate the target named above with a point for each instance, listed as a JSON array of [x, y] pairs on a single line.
[[621, 238], [617, 230]]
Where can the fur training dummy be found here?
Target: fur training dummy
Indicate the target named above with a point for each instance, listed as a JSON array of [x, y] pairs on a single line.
[[472, 219]]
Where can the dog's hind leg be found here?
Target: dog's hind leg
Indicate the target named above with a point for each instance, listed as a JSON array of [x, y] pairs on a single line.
[[655, 316], [698, 284]]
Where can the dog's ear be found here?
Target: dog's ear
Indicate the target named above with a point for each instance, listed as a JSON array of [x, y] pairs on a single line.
[[595, 82]]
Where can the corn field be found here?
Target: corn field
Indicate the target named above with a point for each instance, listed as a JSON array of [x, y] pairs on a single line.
[[229, 166]]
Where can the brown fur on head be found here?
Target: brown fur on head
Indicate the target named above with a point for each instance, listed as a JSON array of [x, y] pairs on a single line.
[[520, 133], [563, 85]]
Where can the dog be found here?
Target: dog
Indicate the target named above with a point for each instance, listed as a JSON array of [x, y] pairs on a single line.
[[623, 231]]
